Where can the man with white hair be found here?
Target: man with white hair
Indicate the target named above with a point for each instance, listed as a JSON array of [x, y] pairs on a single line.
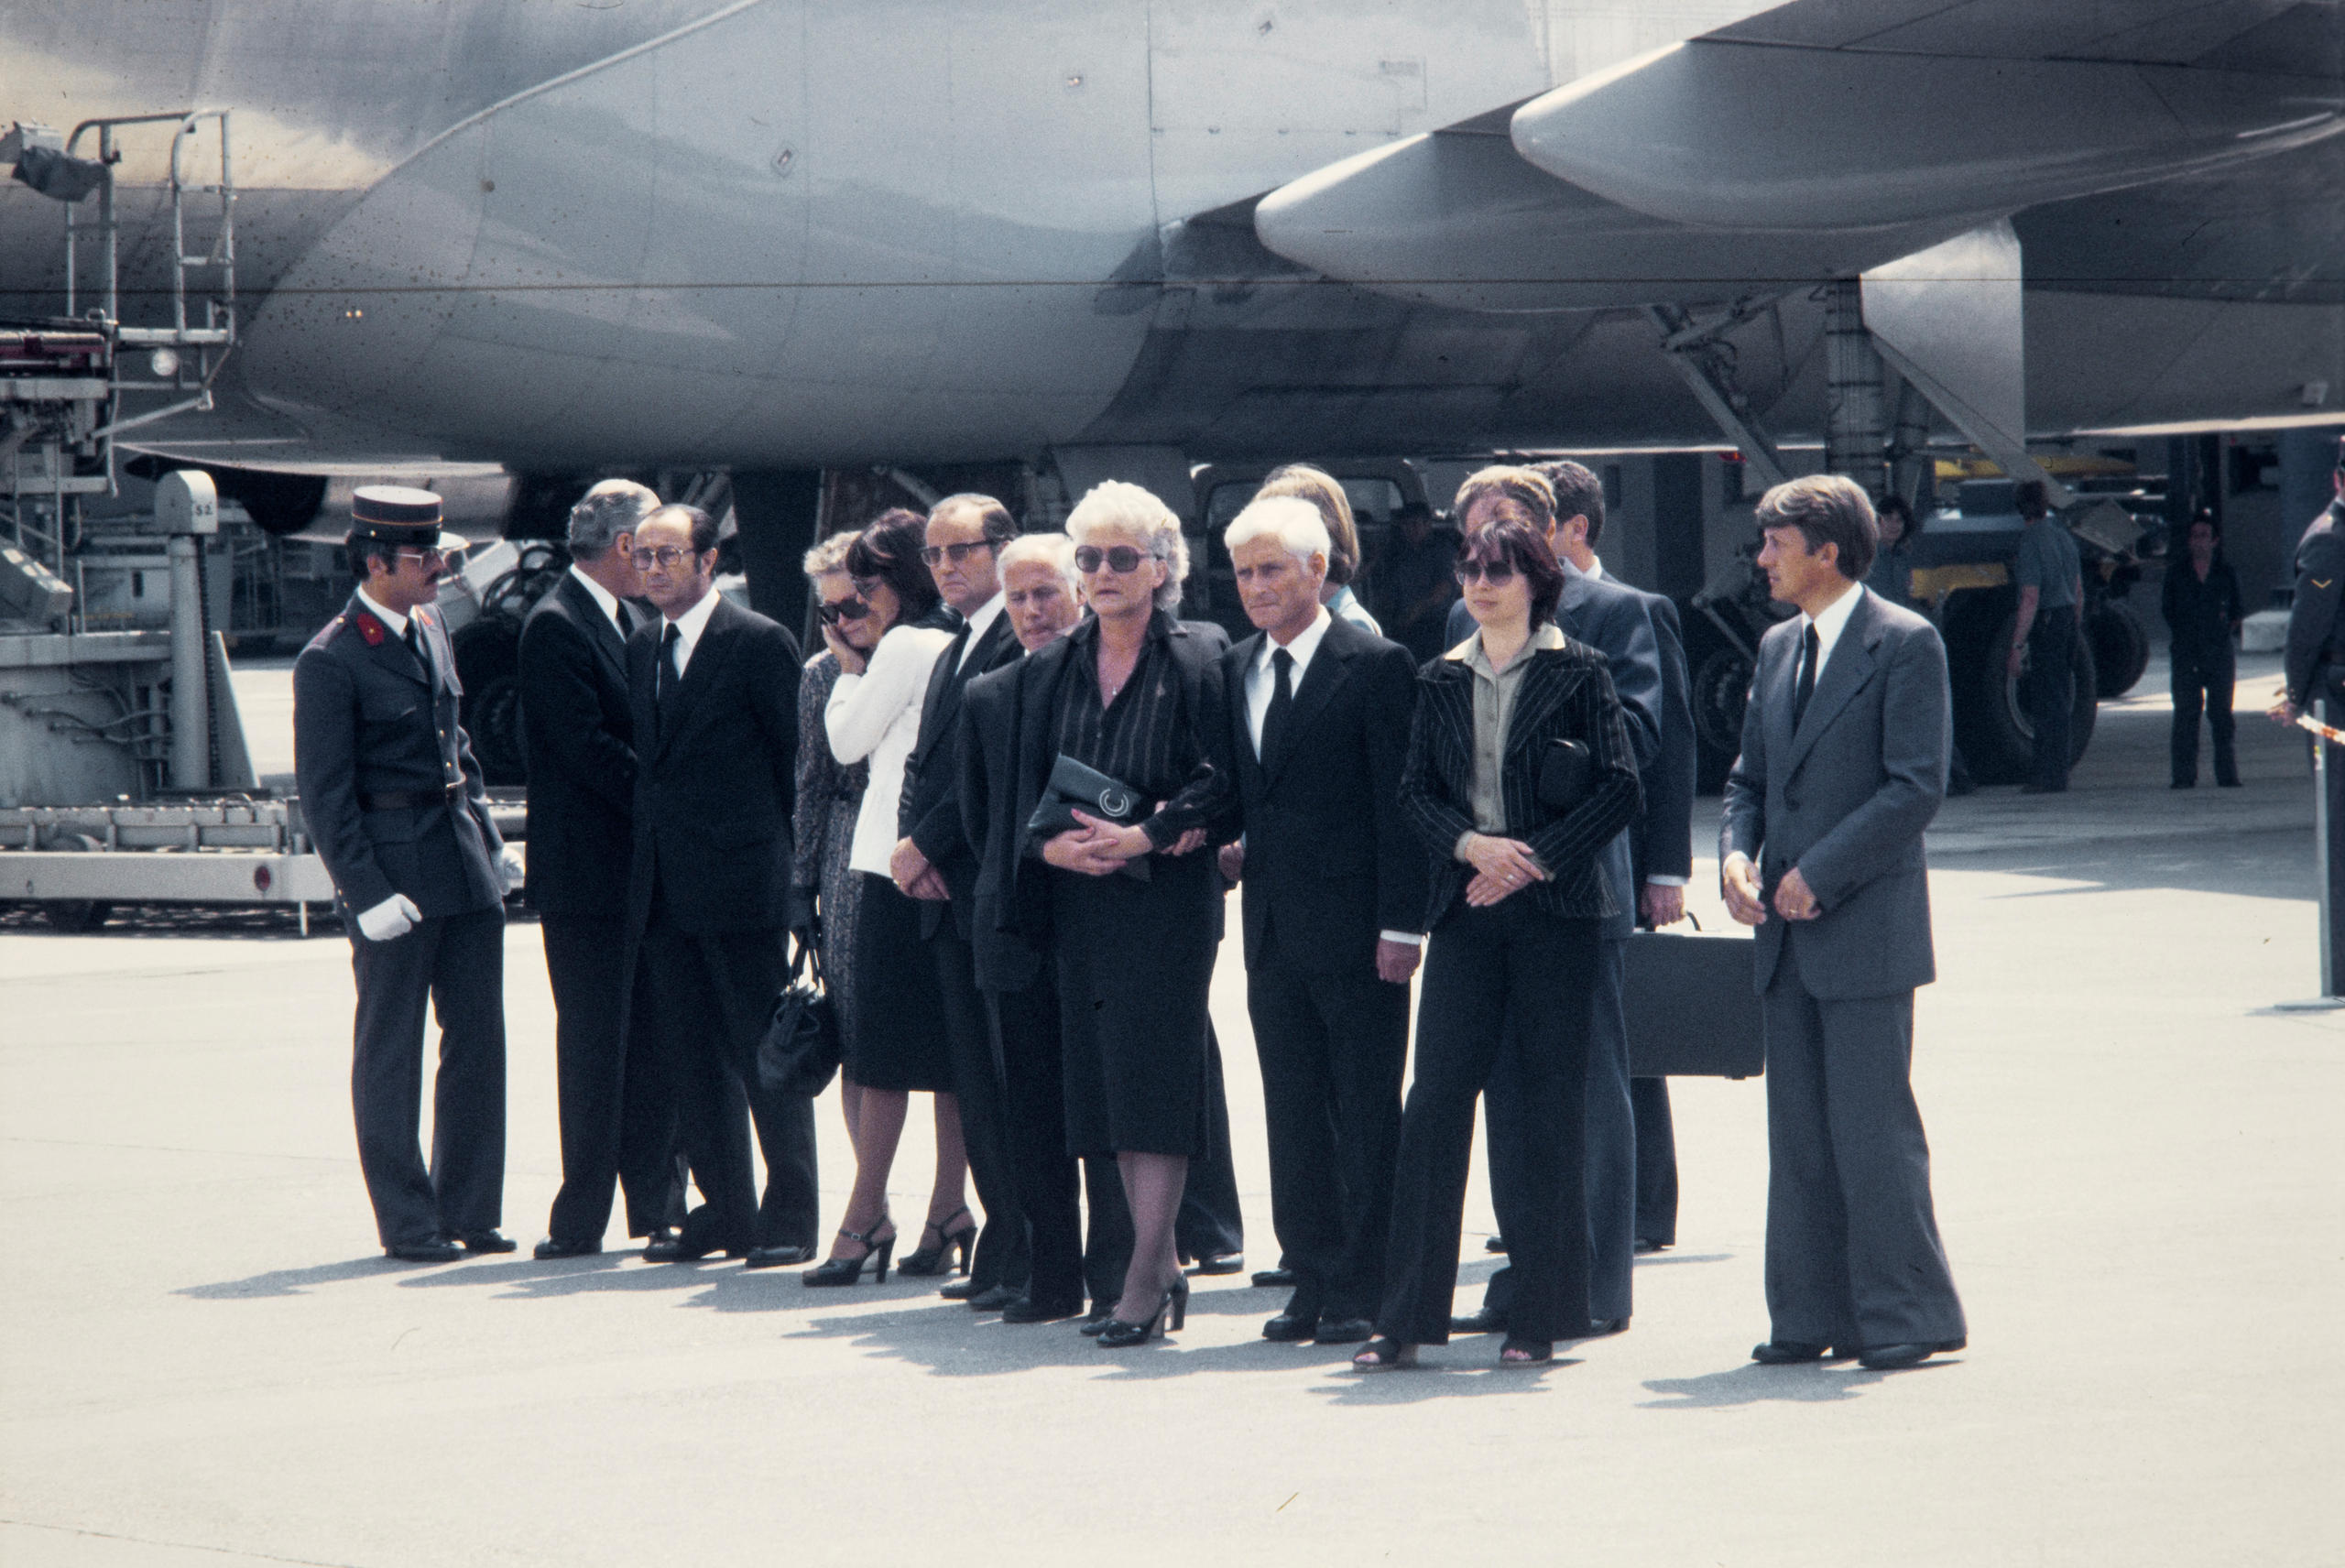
[[1334, 908], [617, 1119], [1042, 592]]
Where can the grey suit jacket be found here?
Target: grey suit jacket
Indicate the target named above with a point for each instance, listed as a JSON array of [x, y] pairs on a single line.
[[1845, 799]]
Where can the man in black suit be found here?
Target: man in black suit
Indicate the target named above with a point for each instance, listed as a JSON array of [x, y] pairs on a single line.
[[398, 811], [617, 1117], [932, 861], [714, 691], [1661, 840], [1614, 621], [1334, 908]]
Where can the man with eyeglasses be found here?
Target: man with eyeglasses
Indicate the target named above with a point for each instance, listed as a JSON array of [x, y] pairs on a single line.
[[714, 700], [932, 861], [397, 809]]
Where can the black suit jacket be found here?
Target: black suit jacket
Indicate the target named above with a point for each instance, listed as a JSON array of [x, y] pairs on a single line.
[[579, 737], [368, 722], [929, 816], [1661, 838], [716, 776], [1330, 861]]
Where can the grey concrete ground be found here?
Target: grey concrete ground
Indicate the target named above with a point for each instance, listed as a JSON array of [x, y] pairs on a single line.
[[206, 1360]]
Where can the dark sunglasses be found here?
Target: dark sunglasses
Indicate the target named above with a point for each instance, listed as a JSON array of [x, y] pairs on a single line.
[[1119, 557], [1497, 573], [936, 554], [831, 613]]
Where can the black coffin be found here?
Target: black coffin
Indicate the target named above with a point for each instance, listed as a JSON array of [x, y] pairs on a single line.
[[1691, 1010]]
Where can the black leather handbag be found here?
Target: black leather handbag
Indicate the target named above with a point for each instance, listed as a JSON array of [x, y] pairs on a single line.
[[801, 1048], [1565, 775], [1076, 786]]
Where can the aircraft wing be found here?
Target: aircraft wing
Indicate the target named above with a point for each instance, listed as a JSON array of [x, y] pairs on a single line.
[[1821, 138]]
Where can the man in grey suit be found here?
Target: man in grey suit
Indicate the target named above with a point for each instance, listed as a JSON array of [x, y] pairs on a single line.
[[1843, 765]]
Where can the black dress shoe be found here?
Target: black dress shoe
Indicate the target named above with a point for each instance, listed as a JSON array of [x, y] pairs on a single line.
[[1646, 1244], [1218, 1263], [1291, 1327], [1788, 1353], [674, 1248], [777, 1256], [995, 1298], [1597, 1328], [487, 1241], [1344, 1330], [438, 1249], [1891, 1358], [1494, 1244], [1026, 1309], [960, 1290], [551, 1248], [1274, 1279], [1480, 1321]]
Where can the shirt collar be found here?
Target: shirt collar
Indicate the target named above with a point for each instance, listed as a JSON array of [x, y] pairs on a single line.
[[391, 618], [694, 621], [1306, 643], [603, 597], [1547, 636], [1832, 622], [981, 623]]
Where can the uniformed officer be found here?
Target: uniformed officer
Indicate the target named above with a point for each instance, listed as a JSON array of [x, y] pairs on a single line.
[[2314, 672], [396, 808]]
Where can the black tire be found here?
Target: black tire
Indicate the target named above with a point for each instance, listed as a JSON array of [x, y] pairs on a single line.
[[2120, 647], [488, 663], [1720, 683], [1990, 704], [76, 914]]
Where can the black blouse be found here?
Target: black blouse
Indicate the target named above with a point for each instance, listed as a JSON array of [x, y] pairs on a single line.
[[1146, 738], [2200, 614]]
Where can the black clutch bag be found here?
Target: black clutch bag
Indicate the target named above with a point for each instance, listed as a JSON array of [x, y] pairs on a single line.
[[1075, 786], [801, 1047], [1565, 770]]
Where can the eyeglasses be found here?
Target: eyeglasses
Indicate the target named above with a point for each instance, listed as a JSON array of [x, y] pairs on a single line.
[[936, 554], [833, 611], [1497, 573], [1119, 557], [667, 555], [432, 557]]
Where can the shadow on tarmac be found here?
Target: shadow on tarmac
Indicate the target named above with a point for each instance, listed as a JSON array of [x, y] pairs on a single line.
[[1751, 1384], [293, 1281]]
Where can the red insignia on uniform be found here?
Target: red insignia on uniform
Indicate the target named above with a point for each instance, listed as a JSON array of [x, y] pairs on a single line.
[[371, 629]]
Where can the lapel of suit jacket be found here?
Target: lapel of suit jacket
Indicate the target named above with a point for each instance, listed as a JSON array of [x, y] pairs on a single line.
[[609, 642], [1844, 673], [1237, 666], [938, 703], [709, 654], [1318, 688], [435, 640], [1542, 693]]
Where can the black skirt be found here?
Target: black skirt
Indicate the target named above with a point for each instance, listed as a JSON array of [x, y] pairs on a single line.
[[1135, 964], [898, 1041]]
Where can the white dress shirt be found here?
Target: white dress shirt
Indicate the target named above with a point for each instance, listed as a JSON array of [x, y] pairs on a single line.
[[980, 624], [689, 625], [608, 601], [391, 618], [1261, 680], [876, 714], [1828, 626]]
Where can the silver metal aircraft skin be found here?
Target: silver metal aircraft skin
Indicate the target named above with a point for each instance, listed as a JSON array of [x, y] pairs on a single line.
[[791, 234]]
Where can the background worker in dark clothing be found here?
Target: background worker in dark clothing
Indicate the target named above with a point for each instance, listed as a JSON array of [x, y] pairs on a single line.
[[2202, 612], [2313, 670], [2050, 576], [1410, 584]]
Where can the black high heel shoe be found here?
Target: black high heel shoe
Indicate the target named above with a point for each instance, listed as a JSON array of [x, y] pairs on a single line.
[[849, 1270], [1174, 1304], [930, 1260]]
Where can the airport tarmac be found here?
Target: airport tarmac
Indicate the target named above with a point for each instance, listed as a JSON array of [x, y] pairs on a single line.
[[208, 1362]]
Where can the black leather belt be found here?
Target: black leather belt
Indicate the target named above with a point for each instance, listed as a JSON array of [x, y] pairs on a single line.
[[406, 799]]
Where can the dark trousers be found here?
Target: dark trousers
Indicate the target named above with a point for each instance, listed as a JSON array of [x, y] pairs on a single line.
[[709, 997], [1611, 1140], [1209, 1223], [2204, 677], [1001, 1257], [618, 1117], [2052, 693], [1505, 989], [456, 964], [1656, 1161], [1330, 1046], [1853, 1255], [1065, 1265]]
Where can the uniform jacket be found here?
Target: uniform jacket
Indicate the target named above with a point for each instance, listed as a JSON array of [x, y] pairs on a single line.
[[1330, 861], [1845, 799], [368, 722], [2313, 640], [930, 816], [716, 776], [1566, 695], [580, 740]]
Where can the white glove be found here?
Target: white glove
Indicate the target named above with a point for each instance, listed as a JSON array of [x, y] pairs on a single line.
[[393, 917], [510, 869]]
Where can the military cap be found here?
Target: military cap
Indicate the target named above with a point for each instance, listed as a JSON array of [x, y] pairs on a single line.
[[395, 514]]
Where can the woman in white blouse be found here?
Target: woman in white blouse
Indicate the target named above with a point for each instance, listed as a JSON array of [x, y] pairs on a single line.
[[899, 1043]]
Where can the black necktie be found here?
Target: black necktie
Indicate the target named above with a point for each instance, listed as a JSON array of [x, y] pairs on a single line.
[[414, 638], [1809, 658], [666, 679], [1274, 719]]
